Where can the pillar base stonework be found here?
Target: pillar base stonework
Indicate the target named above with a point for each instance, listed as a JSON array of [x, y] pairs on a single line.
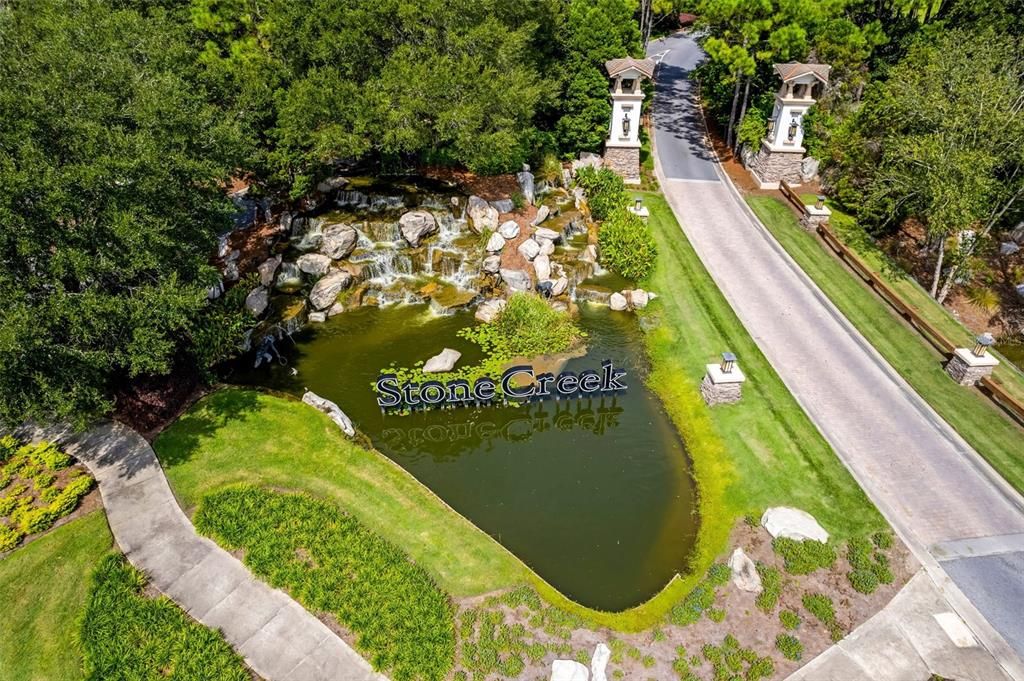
[[625, 161], [722, 388], [771, 166], [813, 217], [966, 368]]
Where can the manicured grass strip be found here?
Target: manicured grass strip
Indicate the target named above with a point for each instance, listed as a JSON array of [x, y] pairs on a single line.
[[761, 452], [913, 294], [977, 420], [235, 436], [331, 563], [43, 591], [126, 635]]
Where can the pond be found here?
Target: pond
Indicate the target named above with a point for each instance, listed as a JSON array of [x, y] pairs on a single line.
[[595, 495]]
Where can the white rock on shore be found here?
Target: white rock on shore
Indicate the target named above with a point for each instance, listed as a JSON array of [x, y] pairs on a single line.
[[332, 410], [793, 523], [442, 362]]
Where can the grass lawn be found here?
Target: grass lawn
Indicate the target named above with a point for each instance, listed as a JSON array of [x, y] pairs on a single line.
[[976, 419], [43, 592]]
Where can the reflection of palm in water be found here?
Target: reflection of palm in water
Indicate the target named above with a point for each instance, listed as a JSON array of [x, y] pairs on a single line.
[[596, 416]]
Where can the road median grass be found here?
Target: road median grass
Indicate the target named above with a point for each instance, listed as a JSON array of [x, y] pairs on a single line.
[[969, 412]]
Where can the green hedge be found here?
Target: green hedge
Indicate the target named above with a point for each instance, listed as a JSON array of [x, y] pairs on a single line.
[[627, 245], [329, 562]]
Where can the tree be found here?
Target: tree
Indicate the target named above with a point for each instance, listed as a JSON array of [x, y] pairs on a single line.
[[949, 128], [112, 168]]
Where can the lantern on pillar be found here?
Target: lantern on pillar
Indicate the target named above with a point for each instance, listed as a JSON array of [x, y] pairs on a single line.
[[982, 344], [793, 127], [625, 124]]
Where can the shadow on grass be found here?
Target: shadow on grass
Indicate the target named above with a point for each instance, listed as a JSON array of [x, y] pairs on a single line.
[[183, 439]]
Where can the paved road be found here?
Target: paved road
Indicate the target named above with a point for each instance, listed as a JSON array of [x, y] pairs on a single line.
[[277, 637], [934, 489]]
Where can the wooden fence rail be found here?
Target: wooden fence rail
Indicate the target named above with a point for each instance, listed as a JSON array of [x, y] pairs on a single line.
[[989, 386]]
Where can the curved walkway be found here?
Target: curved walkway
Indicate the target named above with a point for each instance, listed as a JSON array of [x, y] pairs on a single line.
[[935, 490], [278, 638]]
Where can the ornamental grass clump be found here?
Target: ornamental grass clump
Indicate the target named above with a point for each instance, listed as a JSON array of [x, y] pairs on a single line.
[[403, 622]]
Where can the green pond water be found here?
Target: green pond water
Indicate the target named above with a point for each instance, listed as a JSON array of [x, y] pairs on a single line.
[[595, 495]]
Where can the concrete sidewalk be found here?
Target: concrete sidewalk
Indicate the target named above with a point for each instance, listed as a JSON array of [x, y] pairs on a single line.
[[278, 638]]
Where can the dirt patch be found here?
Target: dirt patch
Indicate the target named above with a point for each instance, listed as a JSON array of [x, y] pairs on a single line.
[[651, 654], [148, 404], [489, 187]]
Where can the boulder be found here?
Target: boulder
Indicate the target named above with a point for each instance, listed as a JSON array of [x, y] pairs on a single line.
[[542, 214], [617, 301], [338, 241], [639, 298], [542, 266], [330, 184], [568, 670], [547, 247], [545, 233], [530, 249], [332, 410], [495, 243], [809, 169], [559, 287], [314, 263], [257, 300], [783, 521], [284, 222], [492, 264], [442, 362], [289, 277], [589, 254], [317, 317], [517, 280], [503, 205], [267, 270], [526, 186], [481, 215], [326, 291], [337, 308], [488, 310], [509, 229], [744, 572], [416, 225], [599, 662], [1008, 248]]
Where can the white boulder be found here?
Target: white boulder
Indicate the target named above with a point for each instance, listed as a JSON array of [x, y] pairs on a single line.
[[599, 662], [517, 280], [526, 185], [332, 410], [495, 243], [744, 572], [488, 310], [589, 254], [481, 215], [542, 266], [314, 263], [338, 241], [547, 247], [417, 225], [545, 233], [568, 670], [326, 291], [317, 317], [784, 521], [509, 229], [617, 301], [267, 270], [542, 214], [492, 264], [337, 308], [639, 298], [559, 286], [530, 249], [442, 362]]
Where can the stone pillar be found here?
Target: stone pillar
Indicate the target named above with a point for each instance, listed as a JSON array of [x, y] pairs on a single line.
[[815, 215], [723, 383], [625, 161], [967, 368]]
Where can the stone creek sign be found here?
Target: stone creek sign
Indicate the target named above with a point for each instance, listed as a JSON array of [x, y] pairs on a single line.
[[519, 383]]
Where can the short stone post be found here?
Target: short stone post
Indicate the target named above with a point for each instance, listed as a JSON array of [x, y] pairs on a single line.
[[968, 366], [640, 210], [723, 382], [815, 214]]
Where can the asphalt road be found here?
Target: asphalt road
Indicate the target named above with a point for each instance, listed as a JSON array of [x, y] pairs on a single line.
[[927, 481]]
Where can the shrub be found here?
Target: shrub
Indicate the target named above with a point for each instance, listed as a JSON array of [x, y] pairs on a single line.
[[789, 619], [701, 598], [550, 169], [605, 190], [771, 587], [821, 607], [46, 454], [331, 563], [789, 646], [528, 326], [125, 635], [882, 539], [752, 129], [9, 538], [869, 569], [804, 557], [8, 446], [627, 245], [719, 574]]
